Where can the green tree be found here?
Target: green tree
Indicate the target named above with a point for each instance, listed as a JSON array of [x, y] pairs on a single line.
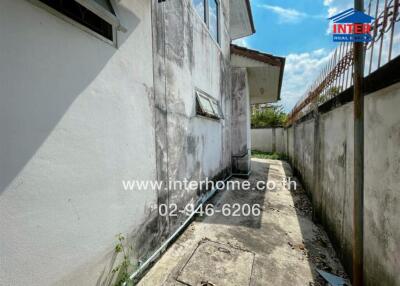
[[268, 116]]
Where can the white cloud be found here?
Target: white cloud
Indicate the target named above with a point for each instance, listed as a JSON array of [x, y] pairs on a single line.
[[300, 72], [334, 7], [302, 69], [285, 15], [288, 15], [242, 42]]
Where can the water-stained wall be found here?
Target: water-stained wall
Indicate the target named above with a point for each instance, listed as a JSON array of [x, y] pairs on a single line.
[[325, 164], [241, 139], [79, 116], [321, 151], [187, 58], [269, 139]]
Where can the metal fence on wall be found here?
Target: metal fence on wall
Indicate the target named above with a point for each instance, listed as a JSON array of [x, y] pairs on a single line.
[[336, 76]]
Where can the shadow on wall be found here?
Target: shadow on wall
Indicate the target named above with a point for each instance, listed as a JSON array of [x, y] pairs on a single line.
[[43, 70]]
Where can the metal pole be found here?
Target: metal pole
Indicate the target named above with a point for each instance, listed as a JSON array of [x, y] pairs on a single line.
[[358, 204]]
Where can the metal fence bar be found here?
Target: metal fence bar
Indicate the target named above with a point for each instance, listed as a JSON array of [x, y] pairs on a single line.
[[393, 24], [348, 72], [345, 66], [384, 22], [337, 75], [375, 32]]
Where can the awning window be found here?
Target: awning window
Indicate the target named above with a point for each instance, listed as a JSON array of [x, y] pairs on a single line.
[[208, 106]]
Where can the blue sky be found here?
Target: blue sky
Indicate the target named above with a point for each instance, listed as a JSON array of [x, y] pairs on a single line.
[[297, 30]]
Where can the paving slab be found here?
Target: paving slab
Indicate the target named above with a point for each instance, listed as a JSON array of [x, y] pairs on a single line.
[[281, 246]]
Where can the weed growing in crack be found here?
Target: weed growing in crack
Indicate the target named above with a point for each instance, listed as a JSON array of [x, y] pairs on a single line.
[[125, 266]]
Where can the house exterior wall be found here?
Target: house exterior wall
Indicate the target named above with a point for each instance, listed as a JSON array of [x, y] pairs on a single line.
[[186, 58], [263, 78], [241, 138], [78, 116], [329, 179]]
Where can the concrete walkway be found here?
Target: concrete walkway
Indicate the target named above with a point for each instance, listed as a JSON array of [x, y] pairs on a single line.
[[282, 246]]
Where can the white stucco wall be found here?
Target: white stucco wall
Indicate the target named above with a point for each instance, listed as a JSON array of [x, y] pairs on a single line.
[[241, 134], [263, 79], [262, 139], [76, 118], [382, 186], [333, 195], [269, 139], [186, 59], [193, 61]]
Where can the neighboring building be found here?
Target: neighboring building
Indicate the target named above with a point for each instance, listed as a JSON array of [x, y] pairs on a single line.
[[94, 92]]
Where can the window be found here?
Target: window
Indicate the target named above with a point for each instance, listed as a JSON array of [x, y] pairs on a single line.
[[96, 15], [208, 10], [213, 19], [207, 106], [217, 108], [200, 8]]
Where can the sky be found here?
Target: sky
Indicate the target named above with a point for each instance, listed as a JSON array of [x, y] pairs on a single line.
[[299, 31]]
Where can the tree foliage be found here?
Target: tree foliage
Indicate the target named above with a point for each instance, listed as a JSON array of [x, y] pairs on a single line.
[[268, 116]]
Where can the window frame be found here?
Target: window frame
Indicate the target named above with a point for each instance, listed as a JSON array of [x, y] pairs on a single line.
[[206, 18], [215, 105], [96, 9], [217, 2]]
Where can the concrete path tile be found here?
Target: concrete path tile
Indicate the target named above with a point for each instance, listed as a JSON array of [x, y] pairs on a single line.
[[282, 246]]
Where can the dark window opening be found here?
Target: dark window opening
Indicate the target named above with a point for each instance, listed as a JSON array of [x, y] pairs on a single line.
[[84, 16]]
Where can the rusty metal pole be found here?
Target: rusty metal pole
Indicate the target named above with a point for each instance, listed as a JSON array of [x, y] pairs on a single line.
[[358, 204]]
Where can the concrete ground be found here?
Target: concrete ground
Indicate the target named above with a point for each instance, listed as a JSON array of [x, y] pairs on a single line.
[[282, 246]]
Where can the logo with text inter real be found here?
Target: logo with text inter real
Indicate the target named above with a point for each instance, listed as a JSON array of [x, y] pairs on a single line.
[[352, 26]]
